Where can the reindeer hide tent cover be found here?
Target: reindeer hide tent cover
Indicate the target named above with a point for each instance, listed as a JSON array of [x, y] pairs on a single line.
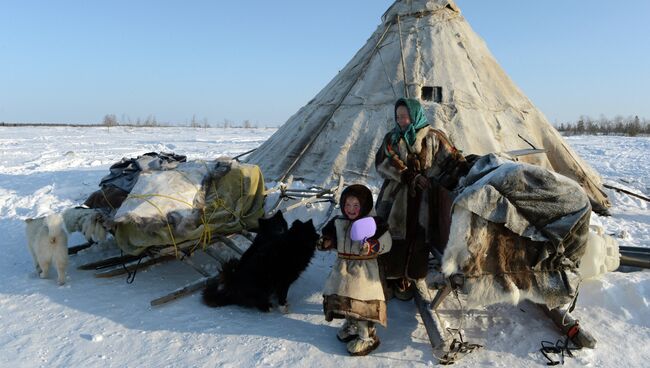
[[427, 50]]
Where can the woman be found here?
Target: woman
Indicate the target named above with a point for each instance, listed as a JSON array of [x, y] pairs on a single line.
[[417, 163]]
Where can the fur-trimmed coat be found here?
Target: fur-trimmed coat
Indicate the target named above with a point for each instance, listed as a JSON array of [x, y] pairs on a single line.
[[353, 288], [412, 213]]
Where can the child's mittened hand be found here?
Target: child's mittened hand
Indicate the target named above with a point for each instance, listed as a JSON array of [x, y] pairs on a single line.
[[324, 244], [365, 249], [370, 246]]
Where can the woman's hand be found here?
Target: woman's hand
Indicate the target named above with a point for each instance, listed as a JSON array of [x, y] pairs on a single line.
[[421, 182]]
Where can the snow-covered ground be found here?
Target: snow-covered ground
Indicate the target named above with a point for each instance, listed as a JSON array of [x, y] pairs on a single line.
[[93, 322]]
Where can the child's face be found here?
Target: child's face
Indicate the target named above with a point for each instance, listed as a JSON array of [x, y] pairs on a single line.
[[352, 207]]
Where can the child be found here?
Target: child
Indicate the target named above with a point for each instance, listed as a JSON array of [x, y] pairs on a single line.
[[353, 290]]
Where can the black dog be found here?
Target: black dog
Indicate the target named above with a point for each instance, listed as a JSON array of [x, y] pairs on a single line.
[[271, 264]]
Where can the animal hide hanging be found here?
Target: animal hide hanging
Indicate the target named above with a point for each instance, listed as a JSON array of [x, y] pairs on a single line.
[[501, 266]]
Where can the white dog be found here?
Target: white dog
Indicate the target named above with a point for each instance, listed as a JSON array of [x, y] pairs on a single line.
[[48, 243]]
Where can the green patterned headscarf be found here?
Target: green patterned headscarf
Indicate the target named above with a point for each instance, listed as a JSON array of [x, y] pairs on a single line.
[[418, 121]]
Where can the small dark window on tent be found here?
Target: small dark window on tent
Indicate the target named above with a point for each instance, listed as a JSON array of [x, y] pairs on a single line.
[[432, 94]]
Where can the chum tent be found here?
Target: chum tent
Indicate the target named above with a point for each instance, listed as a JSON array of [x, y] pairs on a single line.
[[427, 50]]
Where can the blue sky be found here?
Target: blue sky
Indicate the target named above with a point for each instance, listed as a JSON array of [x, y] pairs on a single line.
[[75, 61]]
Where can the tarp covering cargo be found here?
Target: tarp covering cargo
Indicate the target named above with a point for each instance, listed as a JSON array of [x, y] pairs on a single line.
[[189, 201]]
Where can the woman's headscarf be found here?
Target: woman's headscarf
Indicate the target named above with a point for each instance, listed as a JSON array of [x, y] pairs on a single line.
[[418, 121]]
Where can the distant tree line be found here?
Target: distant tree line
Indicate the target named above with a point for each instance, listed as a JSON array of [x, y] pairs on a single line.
[[630, 126], [111, 120]]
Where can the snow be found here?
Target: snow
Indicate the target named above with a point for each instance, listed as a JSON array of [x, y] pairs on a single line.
[[105, 322]]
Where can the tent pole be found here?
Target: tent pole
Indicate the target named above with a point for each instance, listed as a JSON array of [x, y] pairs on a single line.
[[325, 121]]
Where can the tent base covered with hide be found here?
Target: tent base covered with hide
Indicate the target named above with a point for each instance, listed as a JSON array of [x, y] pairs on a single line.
[[518, 232]]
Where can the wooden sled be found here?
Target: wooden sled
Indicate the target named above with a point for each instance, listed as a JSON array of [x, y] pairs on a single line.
[[129, 264]]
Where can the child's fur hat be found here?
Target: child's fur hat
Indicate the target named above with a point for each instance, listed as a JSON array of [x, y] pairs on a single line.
[[360, 192]]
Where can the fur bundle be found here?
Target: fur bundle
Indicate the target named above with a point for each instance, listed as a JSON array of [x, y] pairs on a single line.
[[88, 221], [275, 259]]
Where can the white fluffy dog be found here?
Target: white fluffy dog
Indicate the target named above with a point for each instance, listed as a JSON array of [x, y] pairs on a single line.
[[48, 243]]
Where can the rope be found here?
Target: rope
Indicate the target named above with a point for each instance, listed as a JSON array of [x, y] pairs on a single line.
[[381, 60], [106, 198], [145, 197], [206, 235], [130, 277], [560, 347], [458, 347], [401, 50]]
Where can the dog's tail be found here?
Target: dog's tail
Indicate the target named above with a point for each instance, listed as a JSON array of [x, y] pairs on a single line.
[[54, 224], [218, 294]]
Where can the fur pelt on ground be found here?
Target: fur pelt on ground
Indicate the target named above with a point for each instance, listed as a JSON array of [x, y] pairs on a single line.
[[48, 243], [273, 262]]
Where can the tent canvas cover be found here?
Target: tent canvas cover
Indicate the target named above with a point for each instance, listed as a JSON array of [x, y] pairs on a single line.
[[427, 50]]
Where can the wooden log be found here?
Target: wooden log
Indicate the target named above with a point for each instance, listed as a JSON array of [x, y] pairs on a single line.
[[636, 250], [440, 297], [627, 192], [430, 320], [570, 327], [183, 291], [635, 260]]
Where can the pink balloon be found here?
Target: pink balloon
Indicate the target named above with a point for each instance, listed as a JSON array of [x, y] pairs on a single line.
[[363, 229]]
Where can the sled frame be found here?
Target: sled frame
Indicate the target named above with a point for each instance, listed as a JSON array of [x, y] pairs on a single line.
[[567, 324]]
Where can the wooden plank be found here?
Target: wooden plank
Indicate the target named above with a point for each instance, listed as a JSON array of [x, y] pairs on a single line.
[[183, 291], [229, 243], [77, 248], [214, 254], [135, 264], [248, 235], [188, 261], [430, 320], [570, 327], [108, 262]]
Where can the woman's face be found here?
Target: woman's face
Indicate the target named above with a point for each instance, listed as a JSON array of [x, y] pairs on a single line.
[[352, 207], [403, 118]]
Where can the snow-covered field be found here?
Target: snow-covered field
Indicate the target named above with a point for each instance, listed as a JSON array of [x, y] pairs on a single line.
[[92, 322]]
